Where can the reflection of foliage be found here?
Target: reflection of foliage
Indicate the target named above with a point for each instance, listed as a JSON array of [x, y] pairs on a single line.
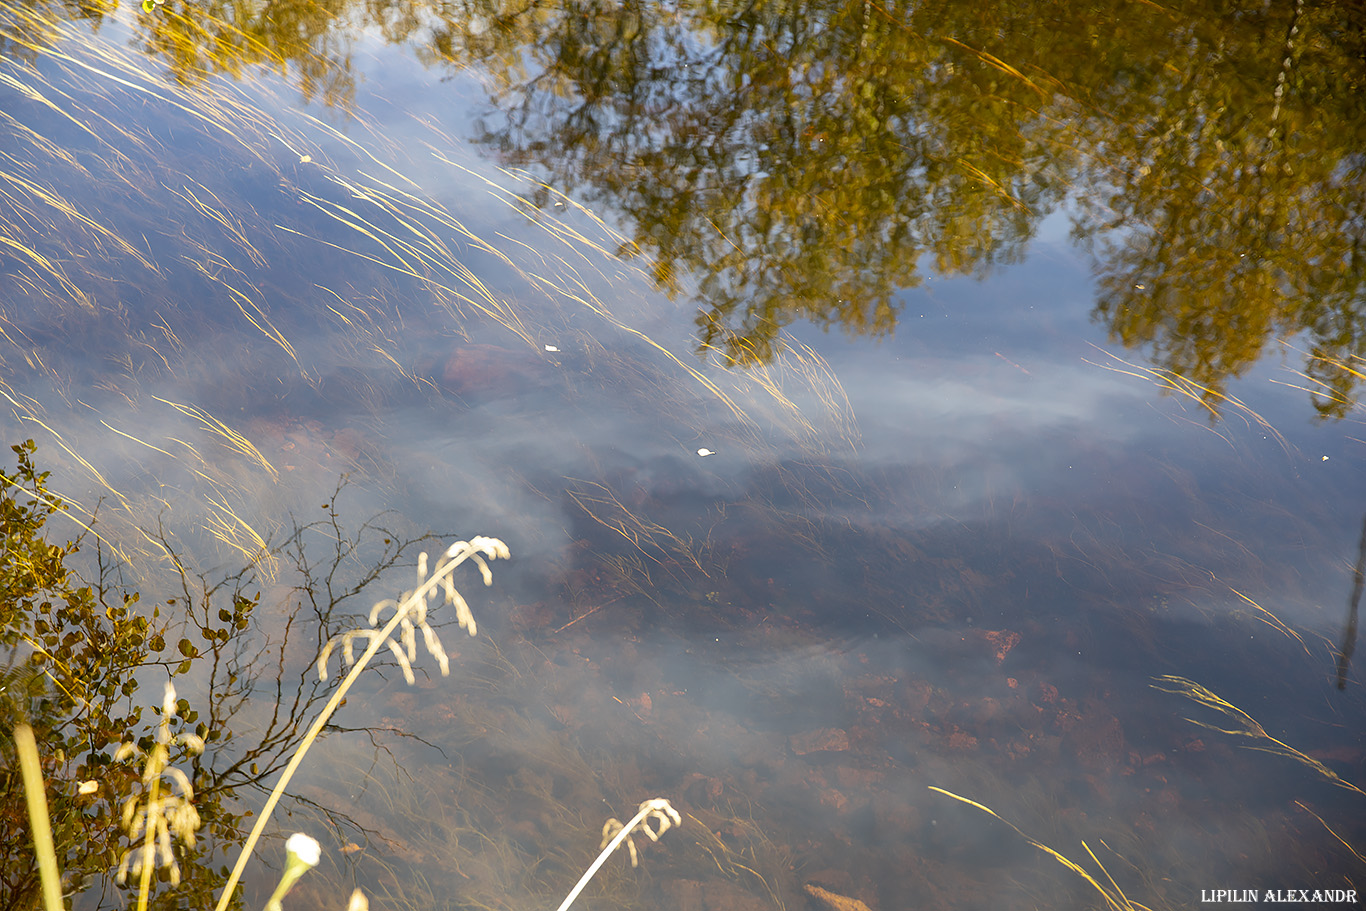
[[73, 657], [70, 660], [802, 160], [29, 26], [1232, 194], [199, 40], [73, 654]]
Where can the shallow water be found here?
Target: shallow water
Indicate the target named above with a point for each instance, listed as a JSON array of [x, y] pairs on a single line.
[[977, 549]]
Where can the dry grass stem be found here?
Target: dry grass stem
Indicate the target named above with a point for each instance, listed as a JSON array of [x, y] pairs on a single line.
[[1248, 727], [1115, 898], [410, 614], [614, 833], [36, 796], [154, 818]]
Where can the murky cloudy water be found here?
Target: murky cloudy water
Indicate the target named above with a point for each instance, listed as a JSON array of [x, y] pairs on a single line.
[[859, 441]]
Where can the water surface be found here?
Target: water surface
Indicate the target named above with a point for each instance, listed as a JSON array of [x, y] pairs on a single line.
[[873, 400]]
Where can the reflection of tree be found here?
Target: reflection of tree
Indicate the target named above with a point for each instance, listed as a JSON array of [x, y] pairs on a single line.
[[70, 653], [28, 27], [1349, 632], [802, 159], [73, 657], [1227, 195], [311, 41], [799, 159], [308, 41]]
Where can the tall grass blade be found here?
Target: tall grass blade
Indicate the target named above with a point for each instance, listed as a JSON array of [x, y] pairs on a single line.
[[27, 747]]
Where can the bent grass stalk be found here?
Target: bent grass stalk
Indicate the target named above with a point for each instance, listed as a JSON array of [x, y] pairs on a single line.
[[414, 603], [1247, 726], [1115, 899], [614, 833]]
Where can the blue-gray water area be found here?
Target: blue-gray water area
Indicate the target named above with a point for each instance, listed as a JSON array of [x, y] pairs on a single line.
[[992, 553]]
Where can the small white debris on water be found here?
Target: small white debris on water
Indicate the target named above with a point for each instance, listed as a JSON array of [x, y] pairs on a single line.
[[705, 452], [551, 348]]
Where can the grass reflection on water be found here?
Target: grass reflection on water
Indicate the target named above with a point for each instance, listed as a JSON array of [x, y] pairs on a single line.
[[221, 302]]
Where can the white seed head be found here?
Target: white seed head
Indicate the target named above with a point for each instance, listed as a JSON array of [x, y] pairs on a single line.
[[304, 848]]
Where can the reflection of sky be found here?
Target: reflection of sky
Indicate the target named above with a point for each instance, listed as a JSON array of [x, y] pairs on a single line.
[[1004, 394], [1011, 476]]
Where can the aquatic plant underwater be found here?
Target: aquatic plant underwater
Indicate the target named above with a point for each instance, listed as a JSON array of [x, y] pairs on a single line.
[[158, 816]]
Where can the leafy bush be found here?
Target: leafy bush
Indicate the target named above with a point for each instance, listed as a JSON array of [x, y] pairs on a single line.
[[128, 796], [68, 658]]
